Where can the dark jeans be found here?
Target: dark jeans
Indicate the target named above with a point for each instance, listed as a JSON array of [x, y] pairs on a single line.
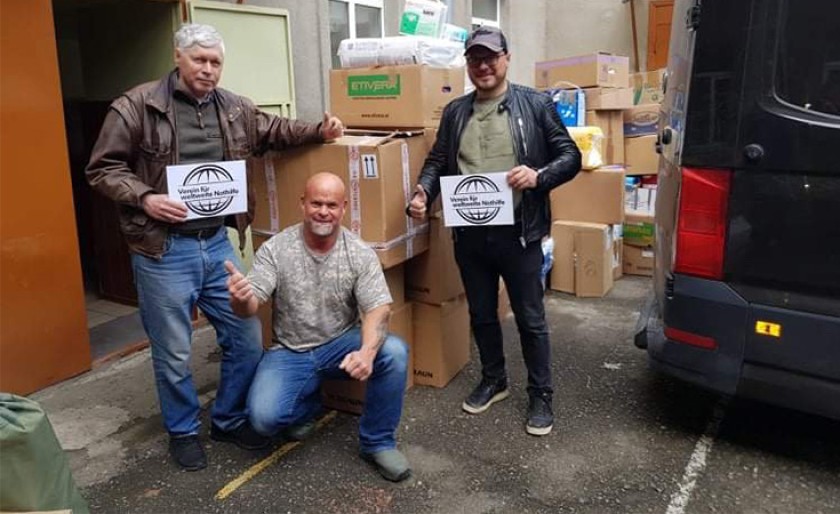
[[483, 255]]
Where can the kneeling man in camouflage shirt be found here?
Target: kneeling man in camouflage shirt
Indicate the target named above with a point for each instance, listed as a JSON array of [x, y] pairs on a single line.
[[321, 277]]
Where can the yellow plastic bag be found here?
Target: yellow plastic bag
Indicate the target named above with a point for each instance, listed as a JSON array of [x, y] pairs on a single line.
[[590, 142]]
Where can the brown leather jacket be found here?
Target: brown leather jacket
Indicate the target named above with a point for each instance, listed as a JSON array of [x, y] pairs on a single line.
[[138, 141]]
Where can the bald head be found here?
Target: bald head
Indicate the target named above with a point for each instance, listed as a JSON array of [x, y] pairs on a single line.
[[324, 182]]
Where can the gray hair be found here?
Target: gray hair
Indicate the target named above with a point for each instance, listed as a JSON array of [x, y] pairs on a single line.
[[205, 36]]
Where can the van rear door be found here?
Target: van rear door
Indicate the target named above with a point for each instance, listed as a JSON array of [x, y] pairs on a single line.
[[783, 243]]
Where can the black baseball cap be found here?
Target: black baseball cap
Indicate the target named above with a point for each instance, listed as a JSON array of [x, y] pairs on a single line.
[[488, 37]]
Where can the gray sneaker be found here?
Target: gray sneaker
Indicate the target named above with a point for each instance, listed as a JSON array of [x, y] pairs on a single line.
[[391, 464]]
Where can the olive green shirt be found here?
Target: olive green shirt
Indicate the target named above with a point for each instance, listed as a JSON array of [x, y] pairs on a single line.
[[486, 143]]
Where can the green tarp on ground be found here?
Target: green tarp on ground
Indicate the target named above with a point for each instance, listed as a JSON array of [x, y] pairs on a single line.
[[34, 474]]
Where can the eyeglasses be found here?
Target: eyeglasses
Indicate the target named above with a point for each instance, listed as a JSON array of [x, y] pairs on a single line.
[[475, 61]]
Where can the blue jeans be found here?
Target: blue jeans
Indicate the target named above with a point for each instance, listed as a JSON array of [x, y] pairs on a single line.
[[286, 389], [191, 272]]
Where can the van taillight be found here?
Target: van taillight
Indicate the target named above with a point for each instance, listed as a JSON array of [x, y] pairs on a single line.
[[701, 222]]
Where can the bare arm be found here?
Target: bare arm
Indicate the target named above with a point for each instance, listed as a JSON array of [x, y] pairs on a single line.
[[359, 364]]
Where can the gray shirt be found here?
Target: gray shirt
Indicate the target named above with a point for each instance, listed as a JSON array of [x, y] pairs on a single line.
[[316, 297]]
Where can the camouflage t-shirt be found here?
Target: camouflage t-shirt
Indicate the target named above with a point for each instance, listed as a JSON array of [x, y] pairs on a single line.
[[316, 297]]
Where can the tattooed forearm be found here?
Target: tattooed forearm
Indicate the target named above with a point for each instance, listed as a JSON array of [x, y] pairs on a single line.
[[382, 330]]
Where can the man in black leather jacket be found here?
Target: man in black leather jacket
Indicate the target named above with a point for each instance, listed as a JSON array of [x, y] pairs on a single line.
[[503, 127]]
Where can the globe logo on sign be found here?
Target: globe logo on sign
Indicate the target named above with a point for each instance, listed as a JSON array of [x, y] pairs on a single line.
[[477, 185], [209, 175]]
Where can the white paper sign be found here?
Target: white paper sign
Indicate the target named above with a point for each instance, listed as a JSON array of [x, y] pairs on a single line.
[[210, 188], [476, 200]]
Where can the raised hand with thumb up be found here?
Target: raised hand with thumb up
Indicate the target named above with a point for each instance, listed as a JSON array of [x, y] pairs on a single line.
[[242, 299]]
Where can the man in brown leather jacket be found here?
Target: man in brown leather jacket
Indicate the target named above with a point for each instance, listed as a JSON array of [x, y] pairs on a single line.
[[184, 118]]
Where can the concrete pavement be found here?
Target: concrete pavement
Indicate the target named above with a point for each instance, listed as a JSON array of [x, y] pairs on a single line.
[[624, 440]]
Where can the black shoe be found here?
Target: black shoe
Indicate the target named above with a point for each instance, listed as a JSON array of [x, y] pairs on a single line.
[[540, 416], [484, 395], [300, 432], [187, 452], [243, 436]]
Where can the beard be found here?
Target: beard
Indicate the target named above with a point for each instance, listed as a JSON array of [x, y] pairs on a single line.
[[321, 229]]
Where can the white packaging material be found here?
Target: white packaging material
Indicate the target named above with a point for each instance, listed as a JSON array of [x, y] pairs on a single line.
[[422, 18], [394, 51], [454, 33]]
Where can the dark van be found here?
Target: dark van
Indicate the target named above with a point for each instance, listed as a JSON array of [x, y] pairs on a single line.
[[746, 297]]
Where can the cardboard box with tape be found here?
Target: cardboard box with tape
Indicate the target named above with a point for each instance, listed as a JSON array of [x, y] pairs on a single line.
[[595, 196], [584, 258], [592, 70], [409, 96], [433, 277], [379, 171]]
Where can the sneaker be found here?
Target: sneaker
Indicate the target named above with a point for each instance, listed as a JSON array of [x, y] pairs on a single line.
[[540, 416], [299, 432], [391, 464], [243, 436], [187, 452], [484, 395]]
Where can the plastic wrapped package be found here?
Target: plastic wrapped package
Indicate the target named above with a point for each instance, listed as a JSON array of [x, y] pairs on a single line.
[[393, 51], [590, 141]]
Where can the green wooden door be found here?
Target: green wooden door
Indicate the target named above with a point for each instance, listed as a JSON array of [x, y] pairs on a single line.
[[258, 52]]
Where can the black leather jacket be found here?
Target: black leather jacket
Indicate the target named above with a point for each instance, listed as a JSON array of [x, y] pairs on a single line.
[[540, 142]]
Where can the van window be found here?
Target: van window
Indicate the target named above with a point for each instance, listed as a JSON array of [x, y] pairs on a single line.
[[808, 59]]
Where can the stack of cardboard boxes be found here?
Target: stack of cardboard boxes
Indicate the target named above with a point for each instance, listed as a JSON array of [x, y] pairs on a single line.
[[640, 129], [391, 114], [588, 212], [586, 223], [441, 316]]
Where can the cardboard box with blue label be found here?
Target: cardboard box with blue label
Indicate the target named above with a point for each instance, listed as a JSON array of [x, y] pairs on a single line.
[[641, 120], [410, 96]]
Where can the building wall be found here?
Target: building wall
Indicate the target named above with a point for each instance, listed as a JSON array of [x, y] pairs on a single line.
[[562, 28]]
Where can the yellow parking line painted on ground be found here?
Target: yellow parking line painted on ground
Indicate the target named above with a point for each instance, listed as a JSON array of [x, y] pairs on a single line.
[[260, 466]]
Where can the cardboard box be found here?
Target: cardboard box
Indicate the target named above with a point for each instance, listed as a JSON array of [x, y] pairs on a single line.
[[639, 228], [618, 252], [640, 157], [595, 196], [641, 120], [433, 277], [600, 69], [349, 395], [411, 96], [395, 278], [638, 260], [642, 199], [593, 263], [608, 98], [583, 258], [647, 87], [611, 124], [379, 171], [441, 341]]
